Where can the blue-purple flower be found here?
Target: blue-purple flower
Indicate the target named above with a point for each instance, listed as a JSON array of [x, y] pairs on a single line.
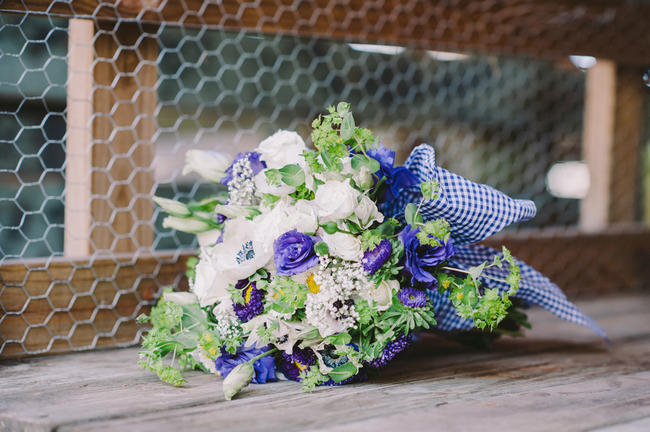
[[264, 367], [373, 259], [419, 258], [396, 178], [257, 165], [294, 253], [412, 297], [299, 360], [391, 350], [253, 301]]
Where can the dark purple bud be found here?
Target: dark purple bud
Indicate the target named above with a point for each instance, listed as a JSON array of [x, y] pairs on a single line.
[[375, 258]]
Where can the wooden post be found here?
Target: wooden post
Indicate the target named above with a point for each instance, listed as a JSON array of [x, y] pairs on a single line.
[[79, 112], [613, 123], [124, 123]]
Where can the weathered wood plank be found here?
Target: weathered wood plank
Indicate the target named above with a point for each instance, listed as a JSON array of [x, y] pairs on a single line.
[[603, 28], [542, 375]]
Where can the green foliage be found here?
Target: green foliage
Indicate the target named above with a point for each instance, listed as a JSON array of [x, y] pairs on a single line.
[[412, 215], [269, 200], [312, 378], [287, 295], [429, 189], [302, 192], [190, 266], [488, 308], [370, 239], [432, 232], [330, 227], [343, 372], [176, 331], [321, 248]]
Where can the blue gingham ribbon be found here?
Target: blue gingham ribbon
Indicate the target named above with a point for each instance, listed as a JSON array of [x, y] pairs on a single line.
[[475, 212]]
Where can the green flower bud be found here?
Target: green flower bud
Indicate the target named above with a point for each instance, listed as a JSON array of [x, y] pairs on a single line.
[[237, 379]]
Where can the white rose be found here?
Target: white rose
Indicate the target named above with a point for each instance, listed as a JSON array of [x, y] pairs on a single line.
[[335, 200], [382, 294], [209, 164], [302, 217], [367, 212], [282, 148], [263, 186], [180, 298], [343, 245]]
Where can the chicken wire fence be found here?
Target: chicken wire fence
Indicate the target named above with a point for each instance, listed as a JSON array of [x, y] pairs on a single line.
[[505, 120]]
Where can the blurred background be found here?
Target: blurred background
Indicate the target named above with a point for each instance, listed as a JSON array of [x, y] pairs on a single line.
[[510, 121]]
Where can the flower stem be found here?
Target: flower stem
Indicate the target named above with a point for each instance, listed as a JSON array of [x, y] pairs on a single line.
[[264, 354], [454, 269]]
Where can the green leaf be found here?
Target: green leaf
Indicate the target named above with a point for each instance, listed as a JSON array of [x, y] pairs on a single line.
[[429, 189], [273, 176], [412, 215], [330, 227], [321, 248], [339, 339], [343, 372], [360, 160], [475, 272], [292, 175]]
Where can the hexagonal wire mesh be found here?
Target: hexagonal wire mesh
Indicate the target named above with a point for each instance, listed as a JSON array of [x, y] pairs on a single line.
[[502, 120]]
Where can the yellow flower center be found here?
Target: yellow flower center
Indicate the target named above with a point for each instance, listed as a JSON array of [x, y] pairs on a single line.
[[299, 365], [314, 288], [446, 284], [212, 352], [460, 296], [247, 294]]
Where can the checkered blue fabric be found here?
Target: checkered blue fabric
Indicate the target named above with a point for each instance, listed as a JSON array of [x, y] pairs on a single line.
[[475, 212]]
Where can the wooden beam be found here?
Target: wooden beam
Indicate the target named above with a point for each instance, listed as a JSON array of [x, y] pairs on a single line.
[[124, 124], [85, 303], [601, 28], [613, 126], [79, 138]]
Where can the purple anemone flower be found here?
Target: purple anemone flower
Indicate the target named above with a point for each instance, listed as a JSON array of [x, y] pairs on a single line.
[[412, 297], [264, 367], [292, 364], [253, 302], [391, 350], [375, 258], [420, 258]]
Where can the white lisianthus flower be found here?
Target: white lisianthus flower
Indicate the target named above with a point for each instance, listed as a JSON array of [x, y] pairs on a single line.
[[382, 294], [188, 225], [367, 212], [343, 245], [209, 164], [335, 200], [181, 298], [207, 287], [172, 206], [285, 217], [282, 148], [208, 238], [237, 379], [263, 186]]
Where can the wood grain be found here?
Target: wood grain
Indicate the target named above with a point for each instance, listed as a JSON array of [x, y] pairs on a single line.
[[560, 375], [547, 28]]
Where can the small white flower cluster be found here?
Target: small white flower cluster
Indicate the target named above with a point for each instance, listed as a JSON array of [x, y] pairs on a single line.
[[242, 187], [227, 325], [332, 308]]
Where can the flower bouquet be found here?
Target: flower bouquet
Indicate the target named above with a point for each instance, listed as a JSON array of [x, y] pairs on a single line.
[[318, 265]]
